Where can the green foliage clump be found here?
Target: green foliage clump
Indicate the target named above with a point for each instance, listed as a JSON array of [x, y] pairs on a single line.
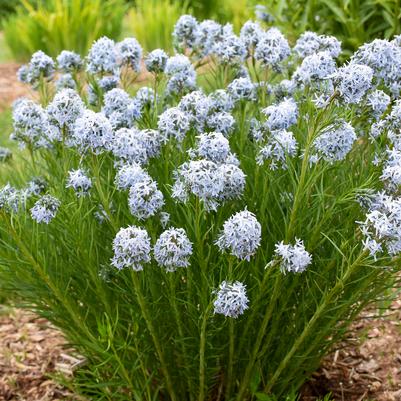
[[279, 138], [235, 12], [152, 22], [55, 25], [353, 21]]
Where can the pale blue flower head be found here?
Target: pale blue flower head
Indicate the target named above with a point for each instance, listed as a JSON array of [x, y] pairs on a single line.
[[335, 142], [31, 124], [22, 74], [213, 146], [173, 123], [93, 131], [201, 178], [316, 67], [272, 48], [45, 209], [131, 248], [130, 53], [221, 101], [391, 175], [145, 96], [36, 186], [242, 89], [250, 33], [40, 66], [382, 226], [230, 49], [173, 249], [65, 108], [130, 174], [68, 61], [353, 81], [10, 199], [231, 299], [178, 64], [233, 179], [128, 146], [222, 122], [310, 43], [378, 101], [241, 235], [208, 33], [120, 108], [151, 140], [181, 83], [185, 32], [182, 74], [281, 145], [65, 81], [384, 58], [156, 61], [79, 181], [102, 57], [282, 115], [293, 258], [197, 106], [145, 199]]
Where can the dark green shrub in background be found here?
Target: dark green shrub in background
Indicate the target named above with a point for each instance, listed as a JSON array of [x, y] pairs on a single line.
[[54, 25], [353, 21], [7, 7]]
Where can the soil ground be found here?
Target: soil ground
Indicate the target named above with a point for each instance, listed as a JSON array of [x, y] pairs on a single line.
[[10, 88], [366, 366]]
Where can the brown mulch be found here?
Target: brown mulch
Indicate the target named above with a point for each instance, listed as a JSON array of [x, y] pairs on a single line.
[[10, 87], [31, 350], [366, 365]]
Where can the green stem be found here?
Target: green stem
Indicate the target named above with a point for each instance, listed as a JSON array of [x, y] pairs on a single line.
[[259, 339], [243, 134], [231, 341], [199, 245], [149, 324], [180, 329], [202, 348], [103, 199], [298, 196], [251, 318], [310, 325], [42, 274]]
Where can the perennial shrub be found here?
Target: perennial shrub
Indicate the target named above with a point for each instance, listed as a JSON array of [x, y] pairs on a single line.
[[212, 235]]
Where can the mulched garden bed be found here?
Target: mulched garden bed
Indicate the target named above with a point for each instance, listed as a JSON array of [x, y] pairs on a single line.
[[30, 351], [366, 366]]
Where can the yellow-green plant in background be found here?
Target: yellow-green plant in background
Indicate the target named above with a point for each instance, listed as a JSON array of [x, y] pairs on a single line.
[[152, 22], [235, 12], [54, 25]]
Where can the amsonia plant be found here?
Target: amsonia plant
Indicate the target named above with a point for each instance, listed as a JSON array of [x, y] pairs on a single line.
[[210, 234]]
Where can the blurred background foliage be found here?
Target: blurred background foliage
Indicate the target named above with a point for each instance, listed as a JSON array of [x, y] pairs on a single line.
[[54, 25]]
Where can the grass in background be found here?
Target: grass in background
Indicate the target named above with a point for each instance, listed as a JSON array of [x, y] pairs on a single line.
[[152, 22], [56, 25], [353, 21], [5, 53], [6, 128]]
